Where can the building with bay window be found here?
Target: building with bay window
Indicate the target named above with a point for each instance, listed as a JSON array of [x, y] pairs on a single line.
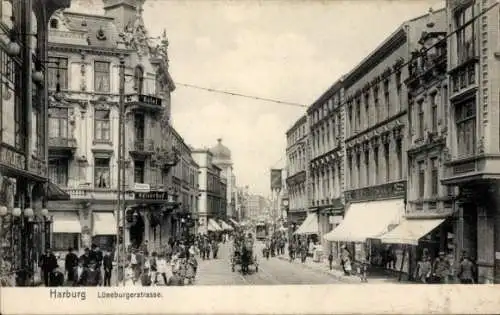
[[473, 167], [86, 53], [24, 219], [376, 124]]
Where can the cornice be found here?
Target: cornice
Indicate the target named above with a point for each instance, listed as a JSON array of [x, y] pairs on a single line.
[[71, 48]]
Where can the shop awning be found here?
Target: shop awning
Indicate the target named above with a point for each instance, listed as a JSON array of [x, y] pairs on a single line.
[[410, 231], [365, 220], [66, 222], [225, 226], [310, 225], [234, 222], [55, 193], [213, 226], [104, 223]]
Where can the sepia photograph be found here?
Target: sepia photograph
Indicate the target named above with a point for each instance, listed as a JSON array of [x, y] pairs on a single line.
[[162, 143]]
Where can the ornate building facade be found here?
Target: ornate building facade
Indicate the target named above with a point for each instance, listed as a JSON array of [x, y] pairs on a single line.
[[325, 119], [25, 220], [296, 168], [86, 52], [473, 134]]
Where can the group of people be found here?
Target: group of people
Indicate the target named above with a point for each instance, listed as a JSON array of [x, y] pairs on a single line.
[[275, 245], [440, 269], [298, 247], [207, 246], [92, 268]]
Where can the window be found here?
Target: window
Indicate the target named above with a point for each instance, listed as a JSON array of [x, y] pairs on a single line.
[[465, 34], [434, 176], [434, 113], [54, 23], [358, 115], [102, 76], [58, 122], [139, 127], [57, 73], [376, 103], [102, 125], [465, 117], [375, 163], [398, 90], [63, 241], [420, 119], [421, 179], [445, 101], [387, 160], [138, 171], [399, 154], [351, 122], [358, 169], [387, 98], [367, 167], [102, 173], [58, 172], [12, 111], [367, 108], [139, 80]]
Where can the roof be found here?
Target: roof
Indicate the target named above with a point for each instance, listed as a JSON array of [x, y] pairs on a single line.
[[90, 30], [220, 151], [301, 121], [334, 88]]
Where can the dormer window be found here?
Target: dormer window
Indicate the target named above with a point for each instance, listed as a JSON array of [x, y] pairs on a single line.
[[54, 24], [138, 80]]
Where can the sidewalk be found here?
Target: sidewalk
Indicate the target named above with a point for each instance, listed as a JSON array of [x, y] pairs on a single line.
[[337, 271]]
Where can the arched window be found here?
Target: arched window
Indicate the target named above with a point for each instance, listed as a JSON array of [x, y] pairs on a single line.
[[138, 79], [54, 23]]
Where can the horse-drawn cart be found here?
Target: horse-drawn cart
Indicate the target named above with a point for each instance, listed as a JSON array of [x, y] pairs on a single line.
[[243, 255]]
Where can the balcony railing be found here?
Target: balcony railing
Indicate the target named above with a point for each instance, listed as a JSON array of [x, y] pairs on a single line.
[[140, 145], [143, 99], [62, 142]]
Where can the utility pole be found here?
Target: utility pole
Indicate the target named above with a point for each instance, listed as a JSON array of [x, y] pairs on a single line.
[[120, 213]]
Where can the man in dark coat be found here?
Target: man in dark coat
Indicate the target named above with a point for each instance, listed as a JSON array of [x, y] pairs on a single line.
[[94, 276], [48, 262], [71, 261], [86, 257], [107, 263]]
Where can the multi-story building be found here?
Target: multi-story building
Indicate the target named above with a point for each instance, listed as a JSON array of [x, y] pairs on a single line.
[[296, 151], [212, 192], [185, 182], [325, 121], [24, 218], [472, 160], [376, 107], [256, 205], [86, 54], [429, 203], [241, 203], [222, 158]]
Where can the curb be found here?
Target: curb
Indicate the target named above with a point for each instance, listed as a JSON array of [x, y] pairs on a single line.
[[344, 279]]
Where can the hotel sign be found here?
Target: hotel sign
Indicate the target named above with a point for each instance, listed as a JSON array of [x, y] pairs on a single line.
[[152, 195], [390, 190]]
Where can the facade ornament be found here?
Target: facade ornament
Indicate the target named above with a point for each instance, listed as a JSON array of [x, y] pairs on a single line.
[[446, 154], [135, 35], [83, 68], [480, 145]]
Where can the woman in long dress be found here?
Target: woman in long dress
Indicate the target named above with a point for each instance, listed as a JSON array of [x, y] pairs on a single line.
[[129, 275]]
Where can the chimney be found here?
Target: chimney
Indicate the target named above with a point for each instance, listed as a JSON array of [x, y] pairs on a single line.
[[123, 11]]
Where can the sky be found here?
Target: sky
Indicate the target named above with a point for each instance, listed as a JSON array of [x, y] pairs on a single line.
[[284, 50]]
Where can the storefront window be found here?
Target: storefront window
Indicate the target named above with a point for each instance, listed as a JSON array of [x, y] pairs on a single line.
[[63, 241]]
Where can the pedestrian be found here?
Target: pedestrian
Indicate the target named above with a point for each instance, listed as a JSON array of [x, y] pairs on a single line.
[[466, 270], [161, 264], [153, 266], [94, 275], [86, 257], [70, 262], [80, 273], [330, 261], [424, 269], [363, 269], [57, 278], [441, 269], [215, 248], [146, 277], [129, 276], [47, 264], [107, 263], [191, 267]]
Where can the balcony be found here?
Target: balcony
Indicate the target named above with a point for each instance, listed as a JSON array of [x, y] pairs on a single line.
[[62, 146], [86, 193], [476, 168], [141, 148], [143, 101]]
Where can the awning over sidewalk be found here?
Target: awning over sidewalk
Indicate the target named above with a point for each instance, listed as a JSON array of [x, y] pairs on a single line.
[[365, 220], [104, 223], [410, 231], [310, 225], [225, 226], [66, 222], [55, 193], [234, 222], [213, 226]]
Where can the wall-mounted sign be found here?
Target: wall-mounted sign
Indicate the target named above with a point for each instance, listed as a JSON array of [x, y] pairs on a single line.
[[141, 187], [152, 195]]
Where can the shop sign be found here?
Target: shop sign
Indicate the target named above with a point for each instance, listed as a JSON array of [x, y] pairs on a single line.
[[382, 191], [141, 187], [152, 195]]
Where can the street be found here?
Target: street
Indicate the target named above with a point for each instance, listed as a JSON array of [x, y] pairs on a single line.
[[273, 271]]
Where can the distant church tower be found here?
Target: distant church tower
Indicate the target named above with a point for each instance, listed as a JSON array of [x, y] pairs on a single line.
[[222, 158]]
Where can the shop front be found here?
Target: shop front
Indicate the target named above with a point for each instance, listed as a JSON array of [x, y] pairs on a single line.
[[104, 230], [66, 231], [363, 223]]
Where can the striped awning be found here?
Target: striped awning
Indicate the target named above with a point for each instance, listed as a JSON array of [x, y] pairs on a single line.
[[66, 222], [213, 226], [225, 226], [234, 222]]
